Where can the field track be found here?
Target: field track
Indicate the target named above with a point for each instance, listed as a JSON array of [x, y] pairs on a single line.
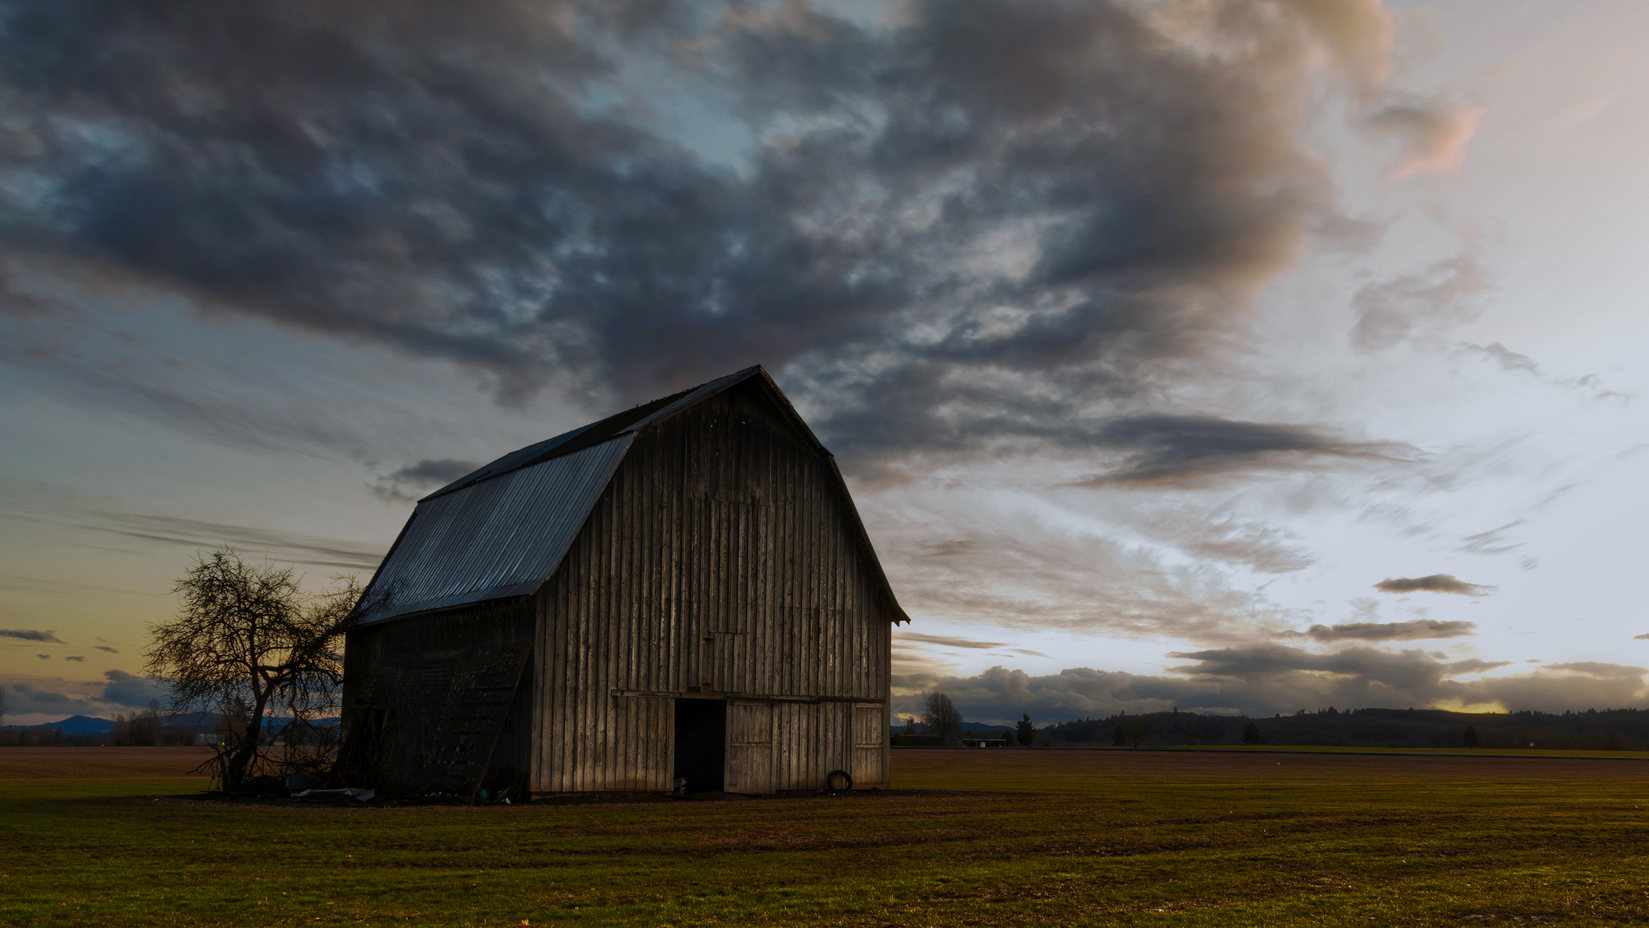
[[112, 836]]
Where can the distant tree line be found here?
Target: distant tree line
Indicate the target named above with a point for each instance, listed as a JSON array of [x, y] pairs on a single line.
[[1594, 729]]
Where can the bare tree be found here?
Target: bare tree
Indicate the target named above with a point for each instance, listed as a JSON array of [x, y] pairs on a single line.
[[942, 718], [143, 727], [249, 645], [3, 706], [1137, 731]]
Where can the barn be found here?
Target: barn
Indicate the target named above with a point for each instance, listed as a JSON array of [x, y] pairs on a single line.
[[683, 591]]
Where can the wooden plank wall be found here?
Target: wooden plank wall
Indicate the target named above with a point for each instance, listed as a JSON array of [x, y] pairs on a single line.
[[400, 678], [719, 562]]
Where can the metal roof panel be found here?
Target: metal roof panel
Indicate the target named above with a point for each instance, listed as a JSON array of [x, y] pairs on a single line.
[[494, 539]]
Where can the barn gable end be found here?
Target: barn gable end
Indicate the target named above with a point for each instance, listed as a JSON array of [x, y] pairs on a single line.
[[718, 613]]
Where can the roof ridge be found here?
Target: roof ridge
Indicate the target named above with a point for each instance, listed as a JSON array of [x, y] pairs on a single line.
[[619, 423]]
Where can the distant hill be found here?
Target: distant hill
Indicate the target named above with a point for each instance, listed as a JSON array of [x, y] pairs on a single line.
[[79, 725]]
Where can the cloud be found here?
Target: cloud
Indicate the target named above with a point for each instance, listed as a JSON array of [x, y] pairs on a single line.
[[1389, 311], [129, 689], [1643, 637], [948, 642], [410, 482], [1266, 679], [1434, 137], [1182, 451], [116, 691], [1584, 110], [106, 648], [27, 699], [1099, 578], [74, 657], [1509, 360], [1513, 362], [26, 634], [21, 302], [30, 699], [1435, 583], [1412, 630], [963, 228], [1492, 541], [293, 547], [44, 657]]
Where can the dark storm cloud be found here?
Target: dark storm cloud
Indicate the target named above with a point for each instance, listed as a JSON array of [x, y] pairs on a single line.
[[129, 689], [29, 634], [433, 473], [1413, 630], [28, 699], [974, 228], [18, 302], [1266, 679], [411, 481], [1189, 450], [118, 691], [1436, 583]]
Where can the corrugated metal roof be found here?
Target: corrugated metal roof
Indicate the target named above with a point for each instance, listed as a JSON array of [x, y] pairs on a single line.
[[596, 432], [502, 530], [499, 538]]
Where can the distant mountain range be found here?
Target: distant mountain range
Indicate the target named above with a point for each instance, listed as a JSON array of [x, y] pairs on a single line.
[[75, 725]]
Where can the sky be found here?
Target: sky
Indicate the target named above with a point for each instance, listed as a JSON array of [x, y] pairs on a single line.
[[1239, 356]]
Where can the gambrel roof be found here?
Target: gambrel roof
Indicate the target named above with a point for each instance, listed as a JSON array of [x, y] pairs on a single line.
[[501, 531]]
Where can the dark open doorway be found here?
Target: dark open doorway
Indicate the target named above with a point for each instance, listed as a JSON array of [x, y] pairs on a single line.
[[701, 743]]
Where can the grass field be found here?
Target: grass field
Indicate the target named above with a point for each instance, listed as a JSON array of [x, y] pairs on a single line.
[[99, 837]]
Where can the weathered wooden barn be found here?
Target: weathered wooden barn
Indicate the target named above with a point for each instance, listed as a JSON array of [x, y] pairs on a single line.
[[682, 591]]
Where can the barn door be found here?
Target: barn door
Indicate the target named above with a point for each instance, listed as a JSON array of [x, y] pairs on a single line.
[[750, 748], [870, 733], [472, 717]]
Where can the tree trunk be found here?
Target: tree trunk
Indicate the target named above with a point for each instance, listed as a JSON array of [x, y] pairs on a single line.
[[234, 769]]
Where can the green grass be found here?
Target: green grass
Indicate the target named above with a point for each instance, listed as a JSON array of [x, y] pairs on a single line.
[[966, 838]]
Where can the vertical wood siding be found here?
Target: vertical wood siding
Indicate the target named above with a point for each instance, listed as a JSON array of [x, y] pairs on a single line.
[[720, 562], [430, 701]]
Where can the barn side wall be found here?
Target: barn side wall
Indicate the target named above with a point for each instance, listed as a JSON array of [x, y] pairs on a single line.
[[719, 563], [440, 702]]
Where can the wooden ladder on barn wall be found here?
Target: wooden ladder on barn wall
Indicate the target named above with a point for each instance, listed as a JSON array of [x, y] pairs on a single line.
[[472, 718]]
